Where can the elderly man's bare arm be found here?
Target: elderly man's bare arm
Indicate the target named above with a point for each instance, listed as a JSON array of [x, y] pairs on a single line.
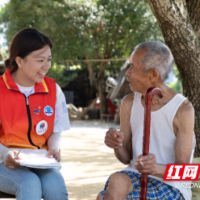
[[183, 125], [183, 128], [121, 141], [124, 154]]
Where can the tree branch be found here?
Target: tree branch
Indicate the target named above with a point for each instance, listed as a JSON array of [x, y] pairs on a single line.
[[101, 70], [105, 48], [91, 75], [110, 51], [97, 60], [96, 46]]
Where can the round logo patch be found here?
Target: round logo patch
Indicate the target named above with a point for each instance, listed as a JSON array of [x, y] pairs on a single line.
[[41, 127], [48, 110]]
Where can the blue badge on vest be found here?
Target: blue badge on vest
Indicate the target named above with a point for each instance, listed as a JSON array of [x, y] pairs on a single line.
[[48, 111]]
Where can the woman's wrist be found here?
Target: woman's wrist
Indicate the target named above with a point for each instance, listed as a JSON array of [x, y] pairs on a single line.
[[5, 154]]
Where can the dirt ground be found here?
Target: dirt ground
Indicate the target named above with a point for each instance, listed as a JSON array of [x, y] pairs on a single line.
[[87, 162]]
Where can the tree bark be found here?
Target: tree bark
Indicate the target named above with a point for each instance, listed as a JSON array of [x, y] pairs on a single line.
[[193, 7], [91, 76], [179, 22]]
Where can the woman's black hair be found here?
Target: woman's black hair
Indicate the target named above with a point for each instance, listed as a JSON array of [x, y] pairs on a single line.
[[23, 43]]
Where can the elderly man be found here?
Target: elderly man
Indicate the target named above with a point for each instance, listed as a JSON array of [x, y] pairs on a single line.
[[171, 140]]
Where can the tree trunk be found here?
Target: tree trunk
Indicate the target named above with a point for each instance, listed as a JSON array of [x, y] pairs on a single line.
[[99, 84], [102, 92], [102, 88], [91, 76], [181, 35]]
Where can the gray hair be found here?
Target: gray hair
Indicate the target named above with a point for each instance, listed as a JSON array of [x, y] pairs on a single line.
[[158, 57]]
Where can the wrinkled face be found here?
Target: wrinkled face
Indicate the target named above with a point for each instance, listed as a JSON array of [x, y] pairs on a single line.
[[137, 78], [34, 67]]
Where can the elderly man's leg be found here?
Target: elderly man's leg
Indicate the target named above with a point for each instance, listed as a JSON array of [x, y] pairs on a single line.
[[99, 197], [119, 186]]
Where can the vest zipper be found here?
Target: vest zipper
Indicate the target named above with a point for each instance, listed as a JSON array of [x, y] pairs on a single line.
[[29, 123], [29, 116]]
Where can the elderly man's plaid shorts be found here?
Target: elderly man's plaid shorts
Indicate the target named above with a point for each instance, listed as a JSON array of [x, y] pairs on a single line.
[[156, 189]]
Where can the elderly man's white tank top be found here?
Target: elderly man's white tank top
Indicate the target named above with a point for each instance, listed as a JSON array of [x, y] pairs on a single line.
[[162, 138]]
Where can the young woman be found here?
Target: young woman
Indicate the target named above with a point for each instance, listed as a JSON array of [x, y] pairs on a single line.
[[33, 114]]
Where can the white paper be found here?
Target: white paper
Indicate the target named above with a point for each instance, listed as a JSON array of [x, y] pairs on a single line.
[[37, 158]]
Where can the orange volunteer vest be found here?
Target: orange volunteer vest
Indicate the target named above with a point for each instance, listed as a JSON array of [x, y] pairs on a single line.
[[26, 122]]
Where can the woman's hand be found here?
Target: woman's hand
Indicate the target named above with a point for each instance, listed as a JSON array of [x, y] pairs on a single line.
[[52, 155], [11, 161]]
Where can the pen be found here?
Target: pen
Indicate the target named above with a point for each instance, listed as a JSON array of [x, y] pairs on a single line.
[[18, 153]]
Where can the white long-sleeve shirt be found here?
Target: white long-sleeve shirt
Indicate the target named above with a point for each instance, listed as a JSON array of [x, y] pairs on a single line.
[[61, 122]]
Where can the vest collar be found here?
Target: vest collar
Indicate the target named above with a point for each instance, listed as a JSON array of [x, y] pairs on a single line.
[[10, 84]]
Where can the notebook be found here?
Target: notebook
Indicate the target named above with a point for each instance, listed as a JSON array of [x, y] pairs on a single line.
[[37, 158]]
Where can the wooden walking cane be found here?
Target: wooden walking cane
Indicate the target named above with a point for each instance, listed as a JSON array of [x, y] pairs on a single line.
[[146, 136]]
